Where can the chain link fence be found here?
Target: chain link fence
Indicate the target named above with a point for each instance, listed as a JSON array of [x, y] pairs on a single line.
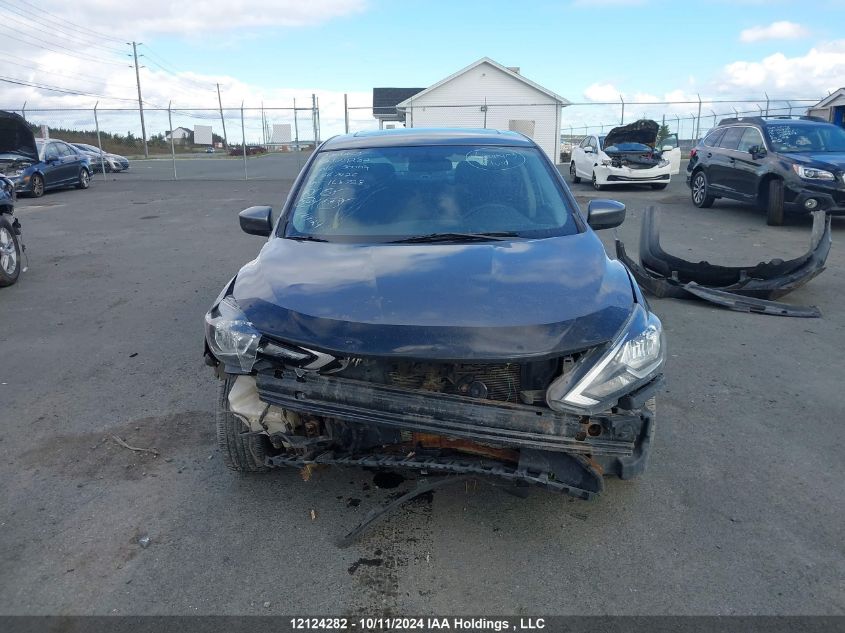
[[211, 142], [190, 143], [688, 120]]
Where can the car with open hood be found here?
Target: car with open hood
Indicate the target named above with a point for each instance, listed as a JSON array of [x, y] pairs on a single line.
[[37, 165], [780, 164], [626, 155], [436, 300]]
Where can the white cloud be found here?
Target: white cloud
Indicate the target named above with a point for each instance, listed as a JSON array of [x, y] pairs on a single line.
[[601, 92], [821, 69], [782, 30], [136, 19]]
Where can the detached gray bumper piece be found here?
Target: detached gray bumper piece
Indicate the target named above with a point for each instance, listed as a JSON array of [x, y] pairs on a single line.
[[745, 289]]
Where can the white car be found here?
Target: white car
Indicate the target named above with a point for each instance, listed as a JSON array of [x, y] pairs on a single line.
[[626, 155]]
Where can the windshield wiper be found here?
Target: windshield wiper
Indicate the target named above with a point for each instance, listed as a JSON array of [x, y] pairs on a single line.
[[458, 237], [305, 238]]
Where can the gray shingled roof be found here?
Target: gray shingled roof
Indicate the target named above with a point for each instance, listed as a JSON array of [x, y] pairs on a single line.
[[385, 100]]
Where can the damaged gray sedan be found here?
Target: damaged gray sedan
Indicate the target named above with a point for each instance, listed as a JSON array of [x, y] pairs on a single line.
[[435, 300]]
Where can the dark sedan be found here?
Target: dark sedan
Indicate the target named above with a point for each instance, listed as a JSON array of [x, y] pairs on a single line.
[[436, 300], [35, 166]]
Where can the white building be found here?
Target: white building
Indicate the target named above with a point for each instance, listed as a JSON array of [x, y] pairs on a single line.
[[488, 95], [180, 135]]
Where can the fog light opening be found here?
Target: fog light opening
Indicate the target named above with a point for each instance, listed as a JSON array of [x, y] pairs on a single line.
[[811, 203], [594, 429]]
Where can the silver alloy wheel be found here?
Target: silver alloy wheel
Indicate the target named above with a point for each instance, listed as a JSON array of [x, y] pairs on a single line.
[[84, 178], [699, 186], [572, 169], [37, 186], [8, 254]]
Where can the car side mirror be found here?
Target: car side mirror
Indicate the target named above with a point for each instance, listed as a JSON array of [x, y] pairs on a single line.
[[256, 220], [667, 148], [51, 159], [588, 150], [757, 151], [605, 214]]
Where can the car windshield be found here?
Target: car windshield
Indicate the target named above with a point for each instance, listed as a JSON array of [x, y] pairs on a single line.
[[393, 193], [805, 137], [627, 147]]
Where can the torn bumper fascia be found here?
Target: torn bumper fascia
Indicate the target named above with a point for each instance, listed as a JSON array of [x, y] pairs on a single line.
[[555, 451], [749, 289]]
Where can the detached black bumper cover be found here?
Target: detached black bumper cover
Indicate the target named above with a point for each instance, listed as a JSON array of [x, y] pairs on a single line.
[[747, 289], [554, 450]]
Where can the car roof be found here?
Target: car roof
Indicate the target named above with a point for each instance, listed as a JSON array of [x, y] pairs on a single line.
[[409, 137], [773, 120]]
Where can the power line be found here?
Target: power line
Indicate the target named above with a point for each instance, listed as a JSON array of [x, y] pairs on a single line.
[[60, 32], [65, 51], [165, 66], [61, 74], [68, 23], [79, 93]]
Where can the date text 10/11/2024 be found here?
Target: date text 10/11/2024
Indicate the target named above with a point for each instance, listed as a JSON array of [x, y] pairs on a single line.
[[388, 624]]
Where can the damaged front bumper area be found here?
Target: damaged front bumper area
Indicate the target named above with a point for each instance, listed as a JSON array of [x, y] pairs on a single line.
[[323, 419], [742, 288]]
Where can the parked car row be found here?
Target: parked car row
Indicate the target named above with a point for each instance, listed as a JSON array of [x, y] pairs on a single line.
[[100, 159], [38, 165]]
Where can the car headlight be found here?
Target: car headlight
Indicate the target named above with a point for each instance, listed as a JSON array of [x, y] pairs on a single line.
[[606, 162], [811, 173], [634, 358], [662, 162], [231, 337]]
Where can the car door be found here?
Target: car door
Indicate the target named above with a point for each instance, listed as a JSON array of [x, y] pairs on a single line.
[[66, 163], [721, 176], [72, 161], [578, 156], [52, 166], [747, 166], [588, 157], [671, 151]]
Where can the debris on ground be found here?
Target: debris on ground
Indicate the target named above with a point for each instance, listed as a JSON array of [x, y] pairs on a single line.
[[152, 451]]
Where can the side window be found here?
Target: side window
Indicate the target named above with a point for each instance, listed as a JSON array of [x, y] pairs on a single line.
[[585, 142], [51, 152], [594, 144], [731, 138], [750, 137], [712, 139], [63, 149]]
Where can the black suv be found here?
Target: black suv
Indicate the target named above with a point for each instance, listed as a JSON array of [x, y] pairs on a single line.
[[778, 163]]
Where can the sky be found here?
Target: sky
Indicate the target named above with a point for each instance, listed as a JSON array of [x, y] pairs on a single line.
[[276, 50]]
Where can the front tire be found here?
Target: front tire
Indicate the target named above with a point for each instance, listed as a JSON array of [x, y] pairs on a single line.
[[700, 191], [241, 453], [36, 185], [573, 174], [774, 203], [10, 253], [84, 179], [596, 185]]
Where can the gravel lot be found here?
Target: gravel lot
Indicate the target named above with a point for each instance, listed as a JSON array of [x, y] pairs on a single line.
[[741, 511]]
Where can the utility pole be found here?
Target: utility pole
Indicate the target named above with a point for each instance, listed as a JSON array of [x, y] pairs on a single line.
[[222, 120], [140, 101], [314, 117]]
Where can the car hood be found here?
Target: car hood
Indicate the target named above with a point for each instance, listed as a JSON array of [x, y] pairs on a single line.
[[480, 301], [643, 131], [16, 137], [834, 160]]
